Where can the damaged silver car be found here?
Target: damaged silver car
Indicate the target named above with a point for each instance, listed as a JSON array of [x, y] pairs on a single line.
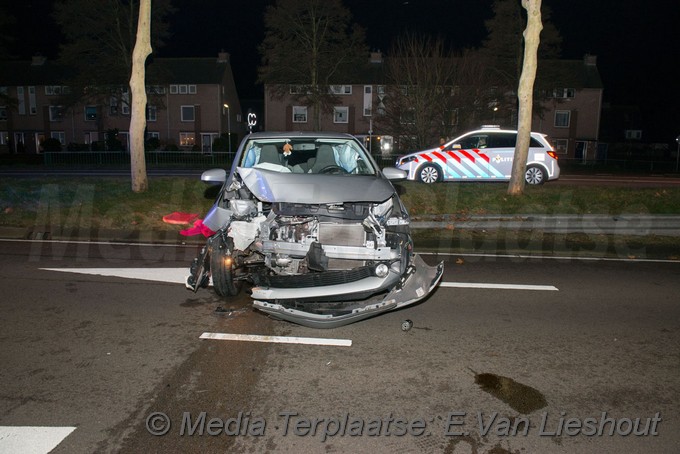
[[318, 231]]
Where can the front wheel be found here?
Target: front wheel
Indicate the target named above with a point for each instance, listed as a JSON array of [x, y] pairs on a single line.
[[535, 175], [429, 174], [222, 268]]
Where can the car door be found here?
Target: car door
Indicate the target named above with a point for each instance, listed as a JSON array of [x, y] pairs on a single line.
[[501, 152], [467, 158]]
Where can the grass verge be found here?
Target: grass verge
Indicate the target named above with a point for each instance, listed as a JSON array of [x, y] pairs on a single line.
[[99, 203]]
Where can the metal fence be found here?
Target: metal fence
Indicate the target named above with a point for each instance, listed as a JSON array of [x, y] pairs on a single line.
[[154, 159], [196, 160]]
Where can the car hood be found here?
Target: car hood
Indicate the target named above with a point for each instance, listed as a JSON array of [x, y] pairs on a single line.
[[269, 186], [429, 150]]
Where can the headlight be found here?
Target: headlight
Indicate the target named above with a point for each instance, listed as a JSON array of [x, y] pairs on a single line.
[[381, 270], [382, 209], [406, 160], [242, 207]]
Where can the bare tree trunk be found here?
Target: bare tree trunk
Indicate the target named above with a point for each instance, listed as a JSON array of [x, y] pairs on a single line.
[[525, 94], [138, 90]]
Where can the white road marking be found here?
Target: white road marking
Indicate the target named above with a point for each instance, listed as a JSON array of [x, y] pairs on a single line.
[[498, 286], [278, 339], [31, 440], [178, 276], [549, 257], [171, 275]]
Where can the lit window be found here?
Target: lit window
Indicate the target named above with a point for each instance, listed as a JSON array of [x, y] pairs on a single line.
[[341, 114], [187, 139], [561, 145], [562, 118], [188, 113], [341, 89], [299, 114], [113, 106], [151, 113], [90, 113], [21, 101], [125, 102], [633, 134], [56, 113], [155, 90], [60, 136]]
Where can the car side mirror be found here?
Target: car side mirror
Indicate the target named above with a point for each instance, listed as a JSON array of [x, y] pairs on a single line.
[[394, 174], [214, 176]]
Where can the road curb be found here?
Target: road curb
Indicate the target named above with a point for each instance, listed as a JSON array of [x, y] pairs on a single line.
[[633, 225], [663, 225]]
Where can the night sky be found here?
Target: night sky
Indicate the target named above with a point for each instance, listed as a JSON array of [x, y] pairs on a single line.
[[637, 43]]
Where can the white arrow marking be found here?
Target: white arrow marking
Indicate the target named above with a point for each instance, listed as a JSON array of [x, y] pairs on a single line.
[[31, 440], [278, 339], [178, 276], [171, 275]]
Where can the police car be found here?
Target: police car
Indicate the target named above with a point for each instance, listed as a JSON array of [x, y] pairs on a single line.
[[482, 155]]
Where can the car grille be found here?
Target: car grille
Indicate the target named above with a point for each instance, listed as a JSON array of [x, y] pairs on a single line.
[[316, 279]]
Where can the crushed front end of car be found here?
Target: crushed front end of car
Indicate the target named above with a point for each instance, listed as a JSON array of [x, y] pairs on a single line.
[[319, 249]]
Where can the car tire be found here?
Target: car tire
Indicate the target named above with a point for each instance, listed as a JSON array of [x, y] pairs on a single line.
[[222, 268], [535, 175], [429, 173]]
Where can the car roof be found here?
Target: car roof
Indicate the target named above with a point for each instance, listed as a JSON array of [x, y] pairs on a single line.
[[299, 134], [493, 130]]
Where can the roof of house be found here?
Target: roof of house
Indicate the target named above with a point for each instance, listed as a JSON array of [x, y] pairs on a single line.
[[17, 73], [159, 70], [556, 73], [570, 73], [188, 70]]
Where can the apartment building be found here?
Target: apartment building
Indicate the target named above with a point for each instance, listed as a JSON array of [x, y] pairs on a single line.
[[569, 112], [192, 102]]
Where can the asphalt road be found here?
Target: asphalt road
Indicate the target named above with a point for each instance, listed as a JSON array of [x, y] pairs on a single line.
[[482, 370]]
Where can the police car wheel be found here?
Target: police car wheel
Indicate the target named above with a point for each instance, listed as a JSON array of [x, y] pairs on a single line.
[[534, 175], [429, 174]]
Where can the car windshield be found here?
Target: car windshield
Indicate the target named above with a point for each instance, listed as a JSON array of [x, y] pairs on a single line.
[[307, 155]]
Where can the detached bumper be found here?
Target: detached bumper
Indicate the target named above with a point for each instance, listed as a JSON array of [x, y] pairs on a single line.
[[416, 284]]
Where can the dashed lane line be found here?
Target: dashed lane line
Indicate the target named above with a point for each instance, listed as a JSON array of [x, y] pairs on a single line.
[[278, 339]]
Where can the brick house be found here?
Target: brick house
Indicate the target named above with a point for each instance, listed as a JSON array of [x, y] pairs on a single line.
[[192, 102], [569, 113]]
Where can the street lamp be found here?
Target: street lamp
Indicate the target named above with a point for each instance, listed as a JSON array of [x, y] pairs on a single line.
[[226, 106], [677, 156]]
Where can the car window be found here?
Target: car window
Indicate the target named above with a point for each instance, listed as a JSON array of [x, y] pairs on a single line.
[[535, 143], [503, 140], [474, 141], [307, 155]]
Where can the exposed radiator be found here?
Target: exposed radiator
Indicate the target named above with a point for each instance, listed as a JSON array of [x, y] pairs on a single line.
[[342, 234]]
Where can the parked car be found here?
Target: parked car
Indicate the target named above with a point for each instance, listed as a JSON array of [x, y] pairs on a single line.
[[315, 227], [482, 155]]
